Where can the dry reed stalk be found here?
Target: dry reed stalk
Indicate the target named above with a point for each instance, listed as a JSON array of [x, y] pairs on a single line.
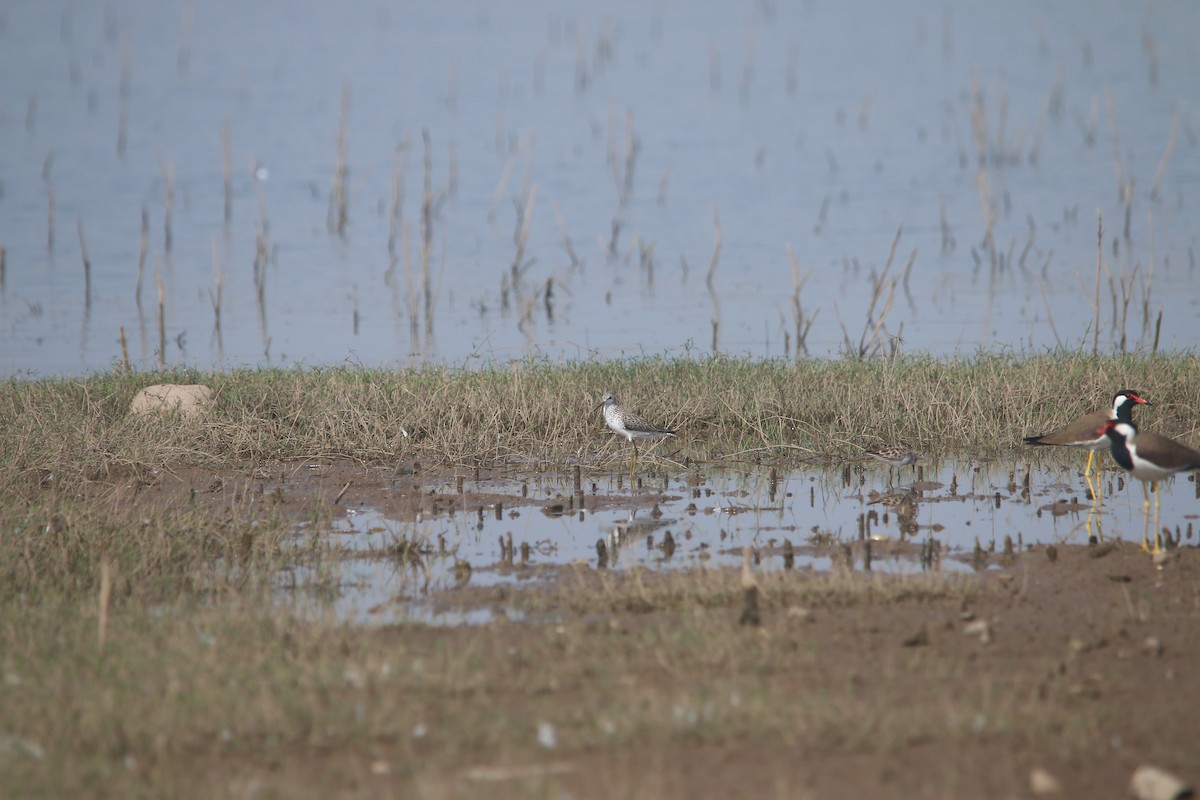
[[125, 81], [1028, 245], [338, 200], [708, 279], [1166, 157], [567, 244], [396, 206], [227, 169], [502, 182], [414, 306], [427, 229], [868, 341], [978, 121], [1118, 168], [663, 183], [125, 352], [1126, 294], [219, 283], [123, 129], [167, 170], [1149, 273], [1096, 305], [50, 217], [989, 214], [717, 242], [162, 319], [3, 267], [521, 234], [452, 169], [803, 324], [103, 601], [948, 241], [143, 249], [87, 263], [646, 261], [613, 239], [1049, 311], [1151, 48], [632, 146]]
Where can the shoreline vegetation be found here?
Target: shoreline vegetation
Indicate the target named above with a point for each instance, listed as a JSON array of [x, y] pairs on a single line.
[[152, 645], [538, 415]]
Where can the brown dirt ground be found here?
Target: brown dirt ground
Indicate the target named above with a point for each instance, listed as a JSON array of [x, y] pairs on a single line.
[[1104, 638]]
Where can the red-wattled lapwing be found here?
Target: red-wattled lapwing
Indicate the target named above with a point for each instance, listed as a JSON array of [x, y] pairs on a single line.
[[1149, 458], [624, 422], [1082, 432]]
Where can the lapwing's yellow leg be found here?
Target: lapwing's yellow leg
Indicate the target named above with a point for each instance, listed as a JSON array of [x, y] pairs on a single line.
[[1096, 487], [1145, 518], [1157, 530]]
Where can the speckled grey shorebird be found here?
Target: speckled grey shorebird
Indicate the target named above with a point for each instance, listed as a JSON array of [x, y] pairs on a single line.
[[898, 456], [1150, 458], [1086, 431], [626, 423]]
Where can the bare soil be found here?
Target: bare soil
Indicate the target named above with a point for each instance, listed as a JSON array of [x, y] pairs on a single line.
[[1077, 660]]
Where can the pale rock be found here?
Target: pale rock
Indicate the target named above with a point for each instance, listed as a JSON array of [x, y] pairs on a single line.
[[189, 400]]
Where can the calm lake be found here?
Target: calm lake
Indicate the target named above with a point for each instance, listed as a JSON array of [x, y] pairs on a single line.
[[471, 183]]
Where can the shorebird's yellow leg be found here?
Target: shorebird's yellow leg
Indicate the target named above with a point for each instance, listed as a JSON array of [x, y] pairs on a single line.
[[1087, 475], [633, 468], [1145, 518], [1158, 546]]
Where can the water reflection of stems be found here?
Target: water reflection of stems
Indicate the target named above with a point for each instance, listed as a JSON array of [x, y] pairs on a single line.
[[227, 170], [125, 352], [524, 207], [427, 231], [870, 342], [567, 244], [396, 207], [143, 249], [167, 170], [338, 200], [214, 294], [802, 321], [708, 278], [50, 217], [1096, 304], [414, 307], [162, 320], [87, 263]]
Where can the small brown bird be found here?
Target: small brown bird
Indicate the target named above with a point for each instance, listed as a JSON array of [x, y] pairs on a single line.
[[899, 456], [626, 423]]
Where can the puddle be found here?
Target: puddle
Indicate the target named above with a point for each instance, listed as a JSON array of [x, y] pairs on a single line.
[[389, 560]]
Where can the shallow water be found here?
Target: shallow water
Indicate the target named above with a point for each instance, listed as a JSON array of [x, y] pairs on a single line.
[[960, 506], [826, 127]]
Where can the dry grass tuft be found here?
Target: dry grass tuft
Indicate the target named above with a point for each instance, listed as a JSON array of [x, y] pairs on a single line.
[[537, 414]]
